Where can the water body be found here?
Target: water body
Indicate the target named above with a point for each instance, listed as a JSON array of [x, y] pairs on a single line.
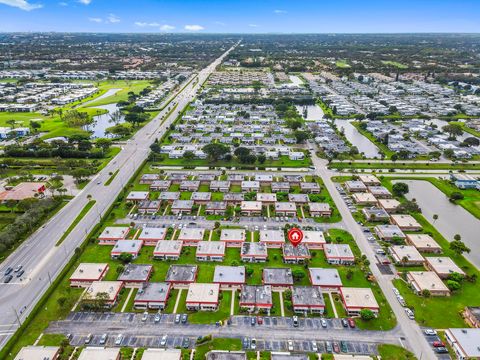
[[314, 112], [296, 80], [108, 93], [452, 219], [102, 122], [361, 142]]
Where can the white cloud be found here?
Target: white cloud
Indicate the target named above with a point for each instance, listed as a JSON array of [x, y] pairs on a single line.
[[21, 4], [95, 19], [278, 11], [194, 27], [145, 24], [63, 3], [85, 2], [253, 25], [112, 18], [220, 23], [167, 27]]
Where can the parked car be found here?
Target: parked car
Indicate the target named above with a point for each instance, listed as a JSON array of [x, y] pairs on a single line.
[[20, 273], [351, 323], [343, 346], [157, 318], [410, 314], [184, 318], [88, 339], [438, 344], [118, 340], [344, 323], [8, 278], [253, 344], [259, 320], [430, 332], [18, 268], [252, 321], [103, 339], [336, 348], [186, 343], [441, 350], [314, 346], [177, 319], [323, 322], [295, 321], [290, 345], [163, 341], [8, 271], [145, 316], [328, 347]]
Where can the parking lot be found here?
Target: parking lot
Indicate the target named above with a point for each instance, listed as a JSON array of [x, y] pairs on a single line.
[[274, 334], [435, 338]]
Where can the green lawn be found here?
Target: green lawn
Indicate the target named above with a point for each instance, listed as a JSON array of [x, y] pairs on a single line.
[[342, 64], [217, 344], [394, 352], [395, 64], [125, 85]]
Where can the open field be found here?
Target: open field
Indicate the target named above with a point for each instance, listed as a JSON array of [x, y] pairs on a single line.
[[395, 64]]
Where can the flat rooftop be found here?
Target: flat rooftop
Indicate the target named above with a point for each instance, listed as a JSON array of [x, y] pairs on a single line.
[[338, 251], [256, 294], [232, 235], [225, 355], [37, 353], [191, 234], [443, 265], [181, 273], [428, 280], [307, 295], [99, 353], [300, 251], [127, 246], [313, 237], [153, 292], [405, 221], [272, 236], [211, 248], [111, 288], [229, 274], [325, 277], [468, 340], [423, 241], [162, 354], [171, 247], [254, 249], [89, 271], [114, 232], [277, 276], [135, 272], [153, 233], [399, 252], [203, 292], [359, 298]]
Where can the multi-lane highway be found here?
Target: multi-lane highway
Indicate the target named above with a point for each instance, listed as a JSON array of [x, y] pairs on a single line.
[[40, 258]]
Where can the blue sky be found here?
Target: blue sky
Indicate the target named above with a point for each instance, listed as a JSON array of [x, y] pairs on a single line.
[[241, 16]]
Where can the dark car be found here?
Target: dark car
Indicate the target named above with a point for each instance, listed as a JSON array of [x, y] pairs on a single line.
[[343, 346], [252, 321], [20, 273], [8, 279], [344, 322], [8, 271], [186, 343], [441, 350], [184, 318]]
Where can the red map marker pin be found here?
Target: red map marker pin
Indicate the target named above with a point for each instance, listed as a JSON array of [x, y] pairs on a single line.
[[295, 236]]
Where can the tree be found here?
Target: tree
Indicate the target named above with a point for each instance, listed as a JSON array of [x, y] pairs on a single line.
[[261, 158], [35, 125], [215, 151], [457, 237], [448, 153], [471, 141], [400, 189], [458, 247], [301, 136], [11, 122], [367, 314], [298, 274], [456, 195], [409, 206], [103, 144], [125, 258], [426, 293], [435, 218], [453, 130], [455, 276], [394, 157], [453, 285], [119, 269], [189, 155], [349, 274]]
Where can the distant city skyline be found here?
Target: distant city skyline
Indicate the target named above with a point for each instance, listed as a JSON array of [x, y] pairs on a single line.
[[240, 16]]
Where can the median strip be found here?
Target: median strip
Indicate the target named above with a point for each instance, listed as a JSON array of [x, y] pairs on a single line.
[[79, 217]]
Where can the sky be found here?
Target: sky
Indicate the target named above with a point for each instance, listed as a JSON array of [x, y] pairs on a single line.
[[241, 16]]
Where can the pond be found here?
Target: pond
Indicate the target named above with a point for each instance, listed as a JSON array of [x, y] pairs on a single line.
[[102, 122], [361, 142], [452, 219], [314, 112]]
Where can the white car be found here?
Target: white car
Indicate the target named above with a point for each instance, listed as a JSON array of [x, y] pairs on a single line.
[[118, 340], [145, 316], [290, 345], [253, 344], [163, 342], [410, 314], [314, 347], [395, 291], [430, 332]]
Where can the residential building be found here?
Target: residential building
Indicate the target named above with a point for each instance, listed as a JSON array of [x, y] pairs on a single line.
[[390, 205], [307, 299], [389, 232], [471, 314], [375, 214], [210, 251], [406, 255], [254, 252], [317, 209], [326, 279], [251, 208], [232, 237], [295, 254], [339, 254], [272, 238], [355, 186], [313, 239], [182, 207], [423, 243], [427, 280], [278, 277], [152, 295], [162, 354], [464, 342], [202, 296], [100, 353], [364, 198], [229, 276], [111, 234], [181, 275], [285, 209], [380, 192], [38, 353], [132, 247], [86, 273], [151, 235], [168, 250], [111, 290], [134, 275], [136, 196], [357, 299], [256, 297], [405, 222], [443, 266], [191, 236]]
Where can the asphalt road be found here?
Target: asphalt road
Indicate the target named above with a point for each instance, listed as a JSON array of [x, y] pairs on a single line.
[[40, 258], [415, 340]]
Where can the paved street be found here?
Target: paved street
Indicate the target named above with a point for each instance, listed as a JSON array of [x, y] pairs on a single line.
[[413, 334], [41, 259]]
